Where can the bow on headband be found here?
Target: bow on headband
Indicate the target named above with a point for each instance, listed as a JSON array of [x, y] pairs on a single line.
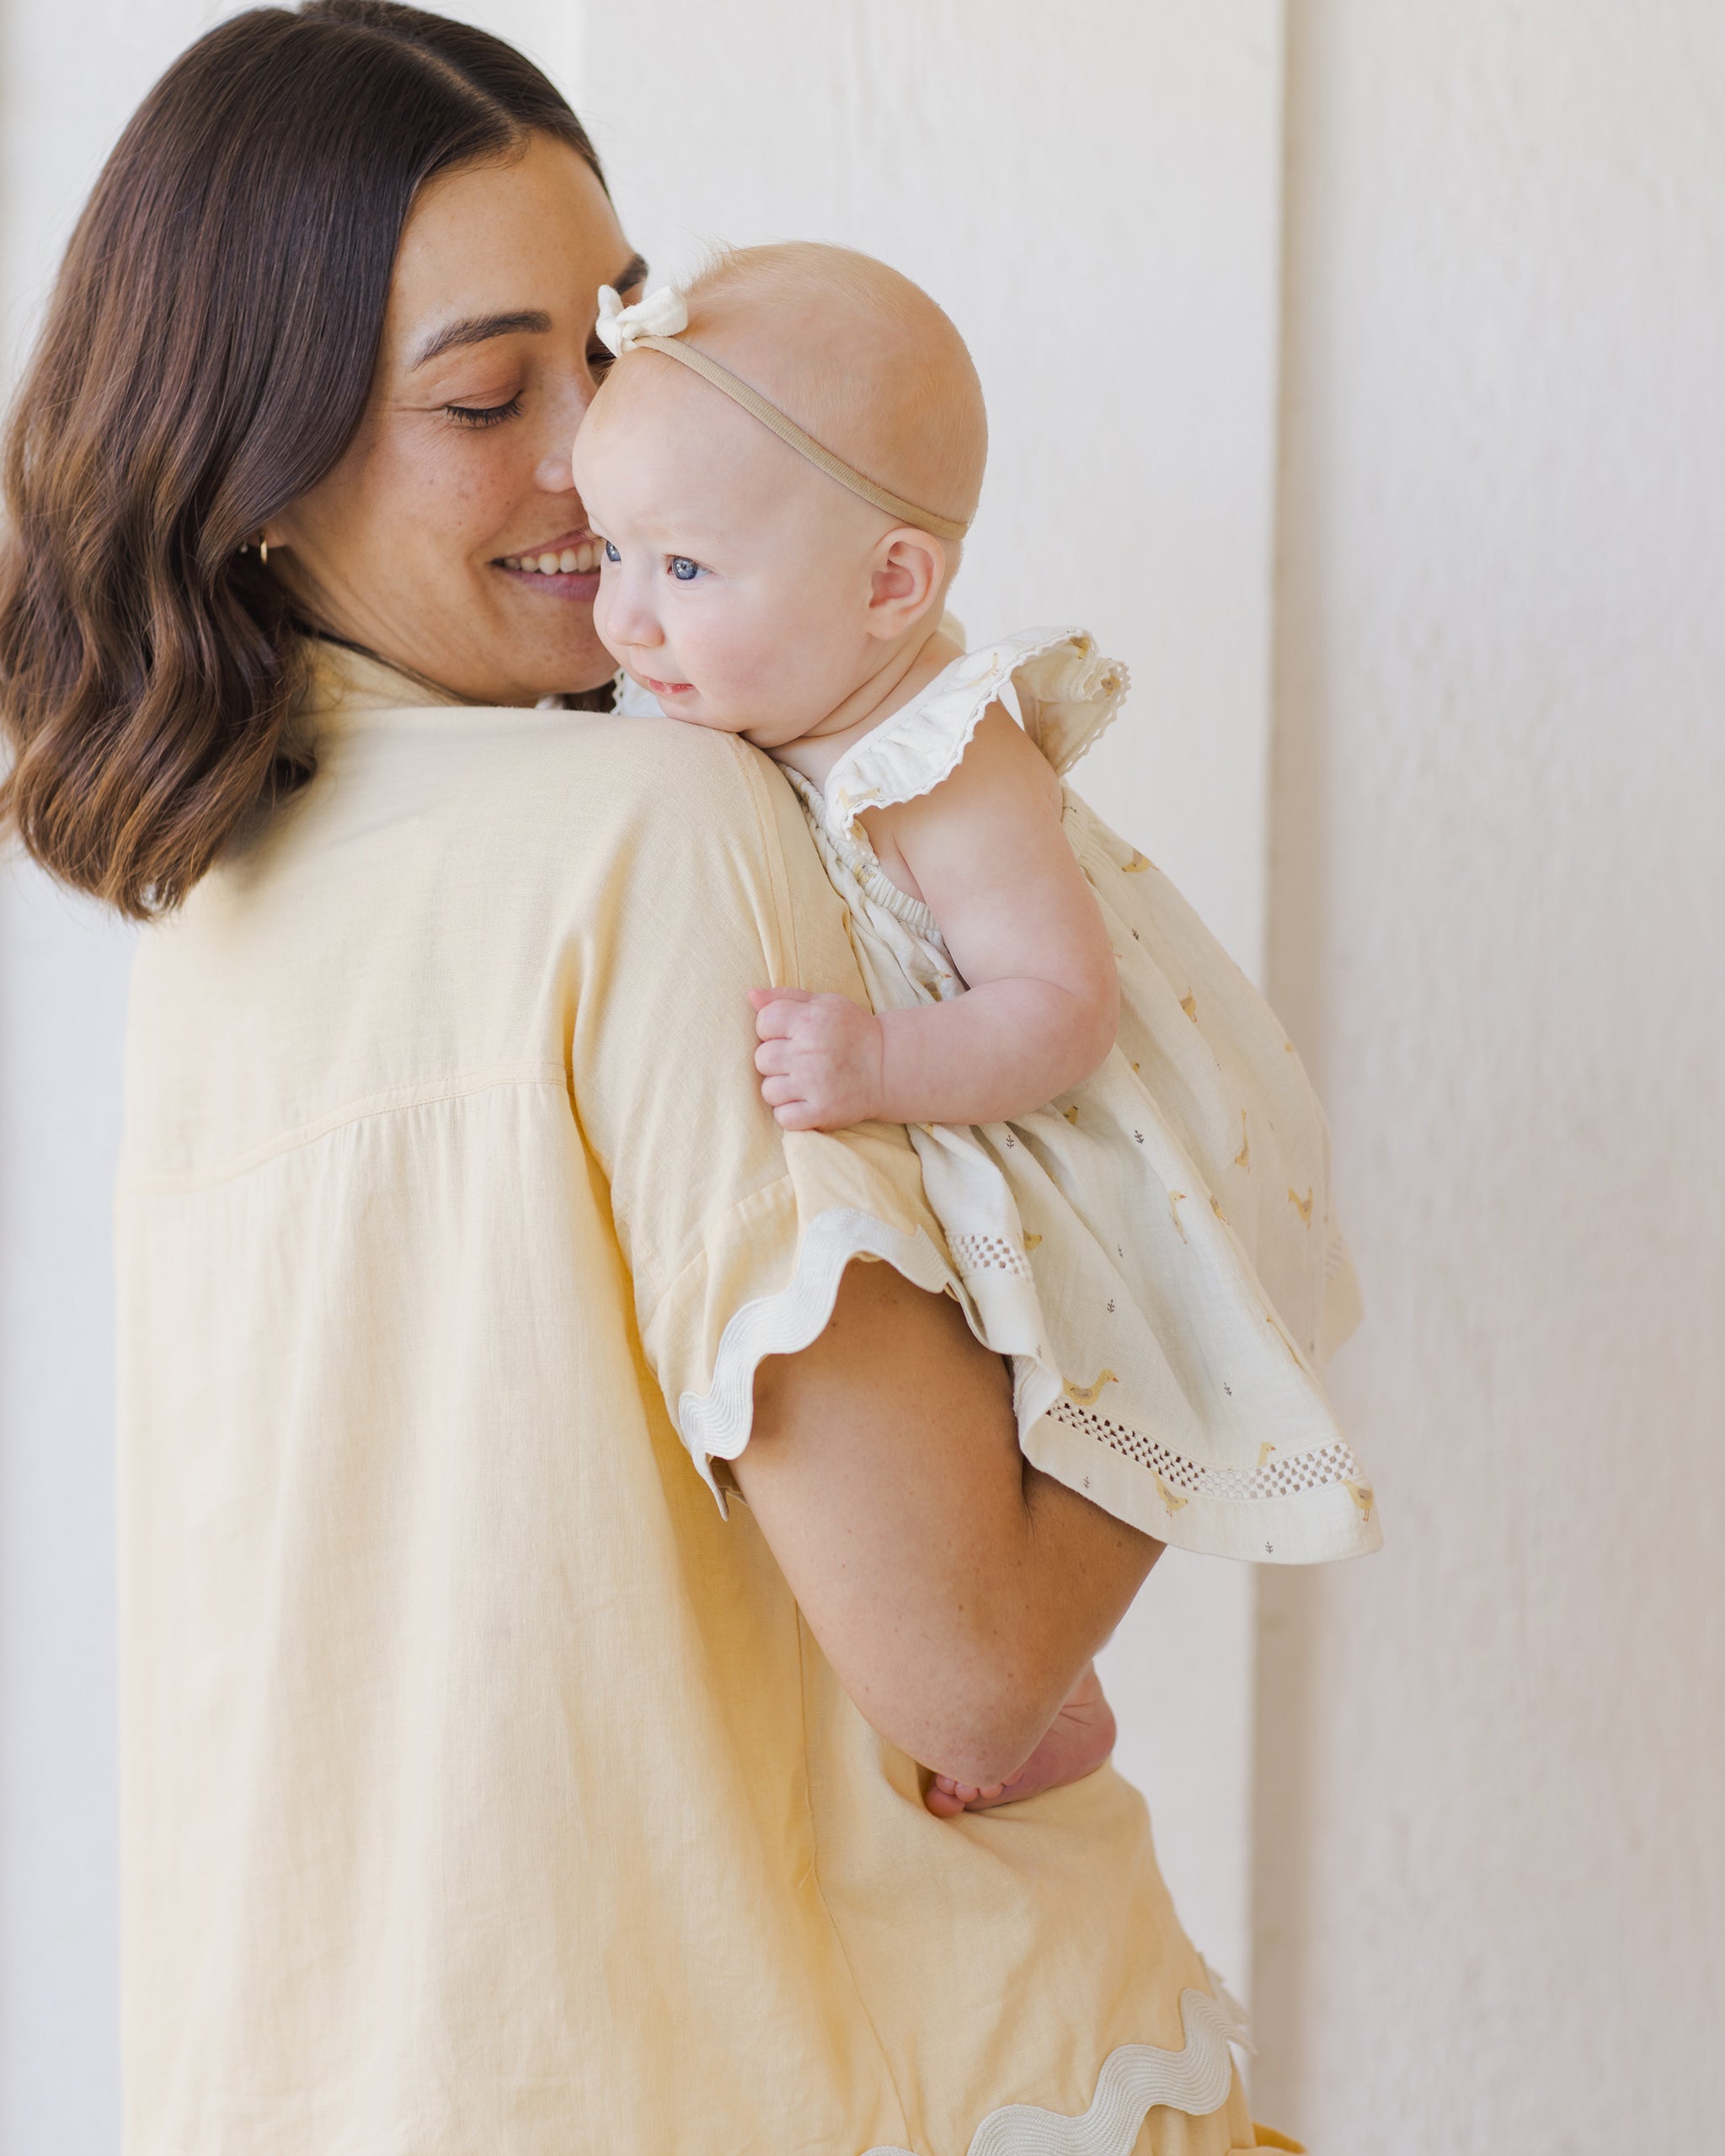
[[662, 314]]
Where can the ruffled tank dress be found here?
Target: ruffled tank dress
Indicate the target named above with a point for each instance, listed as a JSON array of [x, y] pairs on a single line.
[[1156, 1250]]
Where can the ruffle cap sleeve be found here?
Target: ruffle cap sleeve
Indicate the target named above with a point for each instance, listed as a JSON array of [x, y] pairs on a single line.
[[1069, 693], [1065, 691]]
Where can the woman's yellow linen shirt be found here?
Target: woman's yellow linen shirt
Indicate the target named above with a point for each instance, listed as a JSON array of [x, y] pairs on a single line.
[[484, 1794]]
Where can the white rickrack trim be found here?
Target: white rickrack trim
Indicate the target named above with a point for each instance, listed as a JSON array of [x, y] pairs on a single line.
[[989, 1254], [1283, 1474], [715, 1425], [1196, 2080]]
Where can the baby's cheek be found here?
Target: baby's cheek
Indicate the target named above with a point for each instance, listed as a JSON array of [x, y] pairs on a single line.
[[602, 614], [748, 663]]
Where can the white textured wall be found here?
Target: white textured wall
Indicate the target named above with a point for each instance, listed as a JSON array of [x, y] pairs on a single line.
[[1491, 1759], [1099, 212]]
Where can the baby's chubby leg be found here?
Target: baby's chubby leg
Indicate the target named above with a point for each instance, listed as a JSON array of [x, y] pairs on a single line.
[[1075, 1743]]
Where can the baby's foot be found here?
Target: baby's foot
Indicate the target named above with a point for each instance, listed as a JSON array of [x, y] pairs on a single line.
[[1077, 1742]]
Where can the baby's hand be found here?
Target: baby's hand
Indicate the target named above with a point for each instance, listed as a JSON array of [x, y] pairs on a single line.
[[820, 1058]]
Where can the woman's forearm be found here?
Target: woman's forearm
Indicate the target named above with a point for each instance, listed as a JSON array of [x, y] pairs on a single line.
[[956, 1593]]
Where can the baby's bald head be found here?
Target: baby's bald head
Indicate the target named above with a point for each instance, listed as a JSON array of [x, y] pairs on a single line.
[[743, 581], [858, 356]]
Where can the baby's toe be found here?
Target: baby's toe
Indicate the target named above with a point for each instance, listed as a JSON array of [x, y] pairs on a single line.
[[942, 1799]]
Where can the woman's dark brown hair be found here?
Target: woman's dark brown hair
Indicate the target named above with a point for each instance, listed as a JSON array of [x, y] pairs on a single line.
[[207, 359]]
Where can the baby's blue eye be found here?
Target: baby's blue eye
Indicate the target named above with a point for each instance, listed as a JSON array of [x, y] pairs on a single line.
[[611, 552], [683, 570]]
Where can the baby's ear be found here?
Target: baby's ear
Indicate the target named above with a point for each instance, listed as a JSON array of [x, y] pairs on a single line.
[[910, 574]]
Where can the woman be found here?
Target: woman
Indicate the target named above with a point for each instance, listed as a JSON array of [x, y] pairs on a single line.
[[485, 1788]]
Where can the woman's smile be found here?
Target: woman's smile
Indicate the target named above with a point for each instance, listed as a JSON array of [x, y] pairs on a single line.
[[566, 568]]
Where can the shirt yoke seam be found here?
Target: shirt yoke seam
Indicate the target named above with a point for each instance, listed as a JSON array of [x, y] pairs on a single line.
[[368, 1108]]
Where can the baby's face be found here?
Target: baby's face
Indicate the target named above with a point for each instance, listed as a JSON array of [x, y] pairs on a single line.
[[737, 580]]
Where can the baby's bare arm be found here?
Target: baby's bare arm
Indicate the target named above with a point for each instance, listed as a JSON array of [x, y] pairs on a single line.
[[985, 851], [987, 854]]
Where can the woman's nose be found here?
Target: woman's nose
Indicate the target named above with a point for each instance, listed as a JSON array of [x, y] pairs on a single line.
[[563, 415], [552, 475]]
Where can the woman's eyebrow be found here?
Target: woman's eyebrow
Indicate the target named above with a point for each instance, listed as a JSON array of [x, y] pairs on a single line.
[[478, 327], [533, 322]]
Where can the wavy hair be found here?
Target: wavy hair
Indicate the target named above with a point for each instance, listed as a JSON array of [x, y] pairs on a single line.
[[207, 359]]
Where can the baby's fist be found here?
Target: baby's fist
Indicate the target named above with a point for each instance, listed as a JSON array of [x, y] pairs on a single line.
[[820, 1058]]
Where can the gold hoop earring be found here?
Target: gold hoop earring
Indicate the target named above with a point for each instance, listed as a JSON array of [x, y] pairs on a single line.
[[263, 552]]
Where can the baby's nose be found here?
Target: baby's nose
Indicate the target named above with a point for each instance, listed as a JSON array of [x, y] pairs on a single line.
[[631, 622]]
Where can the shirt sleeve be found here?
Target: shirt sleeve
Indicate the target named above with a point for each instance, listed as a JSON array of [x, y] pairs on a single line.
[[736, 1233]]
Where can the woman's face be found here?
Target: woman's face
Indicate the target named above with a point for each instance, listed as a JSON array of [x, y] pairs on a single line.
[[425, 543]]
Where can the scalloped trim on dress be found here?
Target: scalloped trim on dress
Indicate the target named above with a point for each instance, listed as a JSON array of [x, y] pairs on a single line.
[[914, 749], [715, 1425], [1134, 2080]]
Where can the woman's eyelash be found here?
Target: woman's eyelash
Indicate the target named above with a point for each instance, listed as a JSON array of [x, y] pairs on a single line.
[[484, 416]]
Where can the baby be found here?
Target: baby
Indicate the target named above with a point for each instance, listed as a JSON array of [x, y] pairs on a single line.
[[1127, 1160]]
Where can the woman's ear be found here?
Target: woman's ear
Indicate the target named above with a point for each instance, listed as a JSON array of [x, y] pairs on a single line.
[[909, 572]]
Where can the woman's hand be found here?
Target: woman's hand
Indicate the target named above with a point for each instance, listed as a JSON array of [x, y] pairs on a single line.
[[819, 1059]]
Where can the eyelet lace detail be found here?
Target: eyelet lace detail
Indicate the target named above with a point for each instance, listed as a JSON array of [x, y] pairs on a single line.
[[1284, 1474], [988, 1254]]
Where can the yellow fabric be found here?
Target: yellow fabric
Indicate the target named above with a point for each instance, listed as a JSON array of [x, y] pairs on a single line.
[[1266, 2137], [483, 1789]]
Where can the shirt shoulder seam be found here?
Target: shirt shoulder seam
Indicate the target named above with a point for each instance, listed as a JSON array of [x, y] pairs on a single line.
[[772, 852]]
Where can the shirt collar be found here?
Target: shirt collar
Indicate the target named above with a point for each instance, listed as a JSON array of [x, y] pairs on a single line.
[[339, 678]]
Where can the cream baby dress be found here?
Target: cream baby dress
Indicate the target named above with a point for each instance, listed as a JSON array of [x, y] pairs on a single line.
[[1157, 1250]]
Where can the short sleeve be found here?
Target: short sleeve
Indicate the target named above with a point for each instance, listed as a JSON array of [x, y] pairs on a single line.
[[736, 1233]]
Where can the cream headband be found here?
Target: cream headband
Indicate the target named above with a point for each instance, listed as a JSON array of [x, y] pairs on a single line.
[[654, 325]]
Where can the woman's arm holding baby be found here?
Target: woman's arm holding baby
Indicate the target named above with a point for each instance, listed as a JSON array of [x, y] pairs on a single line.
[[985, 851], [957, 1592]]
